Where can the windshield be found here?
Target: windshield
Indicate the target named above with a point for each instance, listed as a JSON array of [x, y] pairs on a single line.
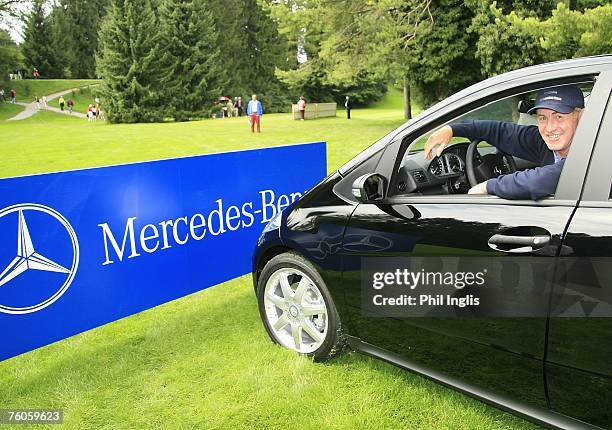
[[366, 154]]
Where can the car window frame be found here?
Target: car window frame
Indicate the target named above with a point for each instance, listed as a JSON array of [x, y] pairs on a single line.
[[598, 182], [573, 166]]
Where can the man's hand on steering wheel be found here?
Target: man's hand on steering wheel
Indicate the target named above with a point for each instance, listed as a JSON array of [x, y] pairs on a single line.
[[440, 137]]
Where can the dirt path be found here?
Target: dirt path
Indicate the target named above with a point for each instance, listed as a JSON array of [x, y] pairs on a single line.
[[31, 109]]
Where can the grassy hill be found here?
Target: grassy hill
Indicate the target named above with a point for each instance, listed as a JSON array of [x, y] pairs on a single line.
[[8, 110], [28, 88], [83, 97], [394, 100], [50, 142]]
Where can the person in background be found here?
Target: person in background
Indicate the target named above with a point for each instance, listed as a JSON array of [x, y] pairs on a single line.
[[70, 105], [239, 106], [62, 102], [13, 96], [301, 104], [347, 106], [44, 102], [230, 108], [37, 100], [255, 112], [2, 94]]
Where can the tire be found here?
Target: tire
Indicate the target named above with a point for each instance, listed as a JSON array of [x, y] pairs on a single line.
[[297, 309]]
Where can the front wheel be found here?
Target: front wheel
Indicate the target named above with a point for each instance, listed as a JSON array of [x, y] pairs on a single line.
[[296, 307]]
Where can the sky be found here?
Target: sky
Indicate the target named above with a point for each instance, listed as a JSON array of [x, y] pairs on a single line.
[[14, 30], [14, 25]]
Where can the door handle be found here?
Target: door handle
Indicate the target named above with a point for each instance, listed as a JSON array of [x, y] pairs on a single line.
[[501, 242]]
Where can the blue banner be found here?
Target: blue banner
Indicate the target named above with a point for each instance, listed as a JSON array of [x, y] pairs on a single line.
[[82, 248]]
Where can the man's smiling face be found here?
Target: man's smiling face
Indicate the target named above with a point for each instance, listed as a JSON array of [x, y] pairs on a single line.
[[557, 129]]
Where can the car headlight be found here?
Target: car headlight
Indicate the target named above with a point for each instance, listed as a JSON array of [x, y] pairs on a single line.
[[274, 224]]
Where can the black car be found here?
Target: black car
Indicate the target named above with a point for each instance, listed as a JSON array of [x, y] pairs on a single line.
[[390, 202]]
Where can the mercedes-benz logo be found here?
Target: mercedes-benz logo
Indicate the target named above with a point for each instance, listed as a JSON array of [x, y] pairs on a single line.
[[28, 259], [367, 243]]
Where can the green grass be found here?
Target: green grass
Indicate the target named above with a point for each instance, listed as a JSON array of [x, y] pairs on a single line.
[[28, 88], [394, 99], [82, 98], [205, 361], [8, 110], [70, 143]]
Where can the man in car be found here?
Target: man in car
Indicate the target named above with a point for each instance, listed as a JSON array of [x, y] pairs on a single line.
[[558, 112]]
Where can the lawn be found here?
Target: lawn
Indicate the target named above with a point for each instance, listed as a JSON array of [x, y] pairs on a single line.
[[50, 142], [204, 361], [28, 88], [8, 110], [83, 97]]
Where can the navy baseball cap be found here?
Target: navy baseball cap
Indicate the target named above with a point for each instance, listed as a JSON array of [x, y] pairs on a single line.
[[560, 99]]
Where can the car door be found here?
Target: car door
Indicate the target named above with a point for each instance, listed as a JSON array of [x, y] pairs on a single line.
[[502, 354], [579, 358]]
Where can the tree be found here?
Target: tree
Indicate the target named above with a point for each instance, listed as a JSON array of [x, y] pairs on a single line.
[[508, 42], [597, 31], [445, 60], [264, 49], [229, 23], [75, 30], [37, 45], [128, 62], [560, 35], [62, 43], [540, 9], [251, 48], [9, 57], [364, 44], [572, 33], [505, 42], [339, 59], [191, 76], [519, 39]]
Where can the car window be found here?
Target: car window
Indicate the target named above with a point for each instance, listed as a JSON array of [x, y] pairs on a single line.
[[447, 174]]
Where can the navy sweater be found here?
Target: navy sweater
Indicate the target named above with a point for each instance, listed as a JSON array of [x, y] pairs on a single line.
[[523, 141]]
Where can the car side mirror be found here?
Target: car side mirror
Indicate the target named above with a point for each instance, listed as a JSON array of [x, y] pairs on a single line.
[[369, 188]]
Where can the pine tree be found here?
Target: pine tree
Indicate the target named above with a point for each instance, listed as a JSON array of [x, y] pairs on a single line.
[[79, 22], [192, 77], [229, 22], [129, 62], [444, 50], [9, 57], [251, 49], [62, 45], [37, 47], [264, 48]]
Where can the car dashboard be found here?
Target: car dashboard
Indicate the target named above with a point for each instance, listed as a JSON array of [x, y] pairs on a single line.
[[445, 174]]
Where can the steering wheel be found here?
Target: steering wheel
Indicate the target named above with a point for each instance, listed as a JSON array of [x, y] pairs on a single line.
[[479, 168]]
